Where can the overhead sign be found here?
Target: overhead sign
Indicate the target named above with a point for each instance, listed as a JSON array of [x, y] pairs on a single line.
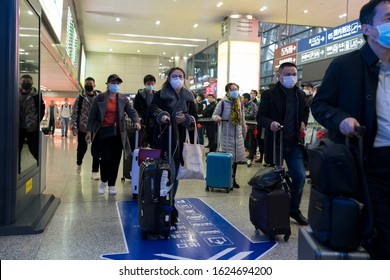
[[344, 46], [285, 54], [311, 55], [312, 42], [201, 234], [344, 31]]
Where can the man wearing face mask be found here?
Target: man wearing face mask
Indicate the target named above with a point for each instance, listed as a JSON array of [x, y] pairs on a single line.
[[31, 109], [142, 101], [285, 106], [355, 92], [78, 121]]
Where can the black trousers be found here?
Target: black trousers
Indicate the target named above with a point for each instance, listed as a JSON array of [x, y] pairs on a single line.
[[211, 129], [251, 143], [52, 126], [82, 147], [110, 152], [378, 170]]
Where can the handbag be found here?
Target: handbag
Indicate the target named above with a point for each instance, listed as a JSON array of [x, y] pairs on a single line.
[[193, 167], [107, 132]]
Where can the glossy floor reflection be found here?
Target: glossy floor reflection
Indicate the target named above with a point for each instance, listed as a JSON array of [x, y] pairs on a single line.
[[86, 224]]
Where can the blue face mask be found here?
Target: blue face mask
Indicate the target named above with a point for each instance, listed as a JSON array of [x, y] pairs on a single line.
[[114, 88], [149, 88], [384, 35], [234, 94]]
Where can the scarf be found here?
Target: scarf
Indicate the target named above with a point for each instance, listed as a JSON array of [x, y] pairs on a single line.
[[235, 113]]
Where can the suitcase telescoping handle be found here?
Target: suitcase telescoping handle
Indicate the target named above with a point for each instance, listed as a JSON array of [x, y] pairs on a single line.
[[280, 163], [360, 131], [136, 139]]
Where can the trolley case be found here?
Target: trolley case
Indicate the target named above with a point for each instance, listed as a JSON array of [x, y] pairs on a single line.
[[155, 201], [269, 208], [139, 155], [310, 249], [219, 168]]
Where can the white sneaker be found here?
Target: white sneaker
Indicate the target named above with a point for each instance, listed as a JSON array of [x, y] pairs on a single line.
[[112, 190], [95, 175], [102, 188], [249, 162], [78, 169]]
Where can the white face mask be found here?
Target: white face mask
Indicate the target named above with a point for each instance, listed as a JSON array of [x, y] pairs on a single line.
[[177, 83], [384, 35], [289, 81]]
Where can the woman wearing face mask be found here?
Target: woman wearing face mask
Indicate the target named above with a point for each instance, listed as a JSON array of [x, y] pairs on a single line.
[[173, 104], [230, 109], [107, 122]]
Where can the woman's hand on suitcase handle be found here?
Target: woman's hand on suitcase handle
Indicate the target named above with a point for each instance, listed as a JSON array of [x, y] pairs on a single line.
[[165, 119], [275, 126]]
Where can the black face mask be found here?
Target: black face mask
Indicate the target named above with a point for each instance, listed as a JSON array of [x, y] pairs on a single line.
[[88, 88], [26, 86]]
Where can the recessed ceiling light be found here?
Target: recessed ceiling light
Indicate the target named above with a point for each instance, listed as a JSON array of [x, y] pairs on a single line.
[[196, 25], [219, 5], [343, 15], [262, 9], [110, 50], [118, 19], [190, 54], [164, 53], [138, 51], [235, 16], [305, 11], [158, 22], [30, 13]]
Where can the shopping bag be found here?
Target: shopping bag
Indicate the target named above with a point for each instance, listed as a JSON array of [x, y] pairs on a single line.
[[193, 167]]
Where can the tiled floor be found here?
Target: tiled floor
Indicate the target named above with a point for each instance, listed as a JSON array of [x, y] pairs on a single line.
[[86, 224]]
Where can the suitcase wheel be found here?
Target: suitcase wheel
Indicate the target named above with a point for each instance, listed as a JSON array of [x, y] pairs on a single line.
[[286, 237], [123, 179], [135, 196], [207, 189], [227, 190]]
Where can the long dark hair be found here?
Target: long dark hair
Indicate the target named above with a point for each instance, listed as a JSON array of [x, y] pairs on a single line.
[[167, 83]]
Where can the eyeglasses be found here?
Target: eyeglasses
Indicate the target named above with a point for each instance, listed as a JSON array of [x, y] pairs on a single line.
[[177, 76]]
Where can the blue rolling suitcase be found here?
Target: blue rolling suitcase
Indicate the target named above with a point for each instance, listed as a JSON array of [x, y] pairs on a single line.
[[219, 169]]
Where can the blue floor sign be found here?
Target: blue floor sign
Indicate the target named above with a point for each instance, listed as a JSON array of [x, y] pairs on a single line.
[[201, 234]]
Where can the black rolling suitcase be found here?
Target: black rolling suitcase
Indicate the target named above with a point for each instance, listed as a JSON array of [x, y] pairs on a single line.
[[269, 201], [155, 201], [127, 162]]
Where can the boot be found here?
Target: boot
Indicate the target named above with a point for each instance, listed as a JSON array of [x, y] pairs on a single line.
[[235, 185]]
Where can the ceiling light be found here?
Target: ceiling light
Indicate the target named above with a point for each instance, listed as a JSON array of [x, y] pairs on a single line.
[[30, 13], [249, 17], [343, 15], [196, 25], [31, 46], [164, 53], [235, 16], [138, 51], [305, 11], [262, 9], [219, 5], [159, 37], [190, 54], [158, 22], [118, 19], [110, 50], [153, 43]]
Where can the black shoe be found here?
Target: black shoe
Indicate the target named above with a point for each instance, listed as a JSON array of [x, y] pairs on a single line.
[[235, 185], [174, 216], [299, 218]]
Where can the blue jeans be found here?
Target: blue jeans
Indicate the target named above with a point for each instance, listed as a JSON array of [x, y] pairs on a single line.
[[64, 126], [293, 155]]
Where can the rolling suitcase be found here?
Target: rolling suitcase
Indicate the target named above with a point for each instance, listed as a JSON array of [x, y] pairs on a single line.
[[127, 162], [139, 155], [219, 167], [155, 201], [269, 206], [310, 249]]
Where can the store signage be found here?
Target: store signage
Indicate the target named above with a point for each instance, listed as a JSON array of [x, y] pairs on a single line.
[[200, 234]]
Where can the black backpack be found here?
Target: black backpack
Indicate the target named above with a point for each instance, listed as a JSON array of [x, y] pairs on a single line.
[[340, 212]]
